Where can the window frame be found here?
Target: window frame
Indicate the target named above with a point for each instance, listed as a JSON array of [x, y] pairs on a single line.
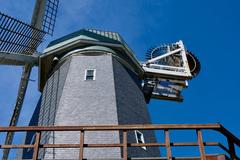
[[141, 138], [94, 75]]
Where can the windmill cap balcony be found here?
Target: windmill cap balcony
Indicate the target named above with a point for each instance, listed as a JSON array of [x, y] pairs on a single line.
[[83, 40]]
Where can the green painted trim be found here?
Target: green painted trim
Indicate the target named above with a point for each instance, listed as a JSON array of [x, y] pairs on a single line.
[[86, 33]]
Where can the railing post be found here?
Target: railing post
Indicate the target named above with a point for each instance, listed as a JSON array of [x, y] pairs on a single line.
[[231, 148], [36, 145], [81, 145], [167, 144], [200, 144], [125, 155]]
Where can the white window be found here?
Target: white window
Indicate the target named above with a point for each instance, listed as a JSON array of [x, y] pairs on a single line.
[[140, 138], [90, 74]]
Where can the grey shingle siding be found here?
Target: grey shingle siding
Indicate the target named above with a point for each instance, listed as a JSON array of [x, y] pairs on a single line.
[[113, 98], [132, 109], [52, 94], [88, 103]]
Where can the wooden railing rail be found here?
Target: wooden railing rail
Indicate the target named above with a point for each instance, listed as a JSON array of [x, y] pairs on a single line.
[[230, 150]]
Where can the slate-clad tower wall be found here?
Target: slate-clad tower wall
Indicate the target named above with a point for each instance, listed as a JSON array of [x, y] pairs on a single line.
[[114, 97], [87, 102], [132, 109]]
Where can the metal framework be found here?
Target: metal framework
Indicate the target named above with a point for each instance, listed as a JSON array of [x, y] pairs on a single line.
[[167, 71], [50, 16], [166, 128], [16, 36], [173, 62]]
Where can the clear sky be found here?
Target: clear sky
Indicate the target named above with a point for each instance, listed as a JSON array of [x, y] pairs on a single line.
[[210, 29]]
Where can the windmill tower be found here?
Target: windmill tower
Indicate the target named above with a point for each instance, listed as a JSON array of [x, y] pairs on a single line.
[[92, 77]]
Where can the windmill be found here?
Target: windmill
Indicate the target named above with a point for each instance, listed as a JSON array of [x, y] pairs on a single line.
[[19, 43], [80, 67]]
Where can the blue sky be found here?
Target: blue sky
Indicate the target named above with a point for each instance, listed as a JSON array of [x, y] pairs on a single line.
[[210, 29]]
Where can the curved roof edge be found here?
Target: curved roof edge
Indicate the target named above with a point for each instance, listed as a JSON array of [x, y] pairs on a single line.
[[88, 37]]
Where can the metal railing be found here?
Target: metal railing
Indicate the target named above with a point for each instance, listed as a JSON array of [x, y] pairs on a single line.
[[168, 144]]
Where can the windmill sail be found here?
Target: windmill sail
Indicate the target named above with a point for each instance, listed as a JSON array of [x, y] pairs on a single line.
[[18, 38], [15, 37], [50, 14]]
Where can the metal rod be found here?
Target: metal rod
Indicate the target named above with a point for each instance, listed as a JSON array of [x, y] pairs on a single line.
[[165, 55], [13, 38], [19, 34], [7, 36], [228, 134], [231, 149], [227, 150]]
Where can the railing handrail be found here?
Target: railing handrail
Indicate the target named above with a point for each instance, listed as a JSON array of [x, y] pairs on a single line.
[[165, 127], [218, 127], [228, 134], [112, 127]]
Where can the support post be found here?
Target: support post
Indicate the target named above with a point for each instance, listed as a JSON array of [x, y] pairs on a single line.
[[125, 155], [81, 145], [167, 144], [201, 145], [36, 145], [231, 148]]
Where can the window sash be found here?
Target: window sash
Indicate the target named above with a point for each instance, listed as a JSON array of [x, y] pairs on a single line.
[[90, 74], [140, 138]]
